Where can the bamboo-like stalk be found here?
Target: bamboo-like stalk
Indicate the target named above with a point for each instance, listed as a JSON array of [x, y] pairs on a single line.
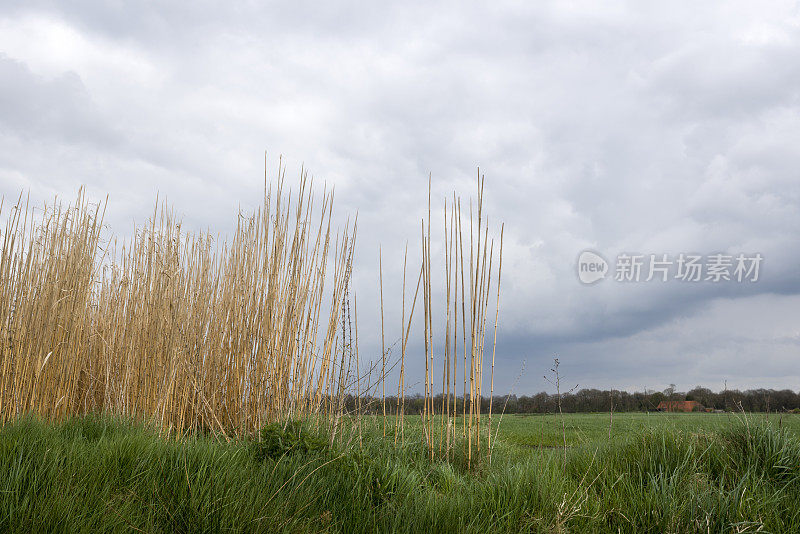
[[358, 379], [383, 344], [494, 343], [401, 382], [426, 318], [445, 410]]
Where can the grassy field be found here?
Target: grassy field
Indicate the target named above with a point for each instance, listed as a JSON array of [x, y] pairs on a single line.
[[533, 431], [657, 473]]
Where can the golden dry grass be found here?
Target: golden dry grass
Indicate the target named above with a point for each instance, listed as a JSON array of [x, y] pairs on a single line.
[[170, 326]]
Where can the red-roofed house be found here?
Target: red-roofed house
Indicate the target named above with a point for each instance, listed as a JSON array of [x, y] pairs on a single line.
[[679, 406]]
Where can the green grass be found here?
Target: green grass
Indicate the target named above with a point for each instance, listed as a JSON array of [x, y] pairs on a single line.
[[526, 431], [658, 473]]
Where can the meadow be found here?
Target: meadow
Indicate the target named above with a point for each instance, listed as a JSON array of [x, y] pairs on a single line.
[[593, 428], [656, 473]]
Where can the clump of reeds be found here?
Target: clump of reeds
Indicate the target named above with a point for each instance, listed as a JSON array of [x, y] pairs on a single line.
[[176, 328], [171, 326], [468, 286]]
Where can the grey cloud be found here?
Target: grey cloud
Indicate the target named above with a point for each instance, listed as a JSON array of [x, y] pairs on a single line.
[[627, 127], [59, 108]]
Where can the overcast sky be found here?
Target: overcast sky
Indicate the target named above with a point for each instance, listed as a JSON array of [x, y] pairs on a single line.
[[639, 127]]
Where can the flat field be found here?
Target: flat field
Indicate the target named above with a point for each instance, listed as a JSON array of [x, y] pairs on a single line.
[[532, 431], [651, 473]]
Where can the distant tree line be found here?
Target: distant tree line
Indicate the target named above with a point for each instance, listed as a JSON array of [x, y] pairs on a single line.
[[596, 400]]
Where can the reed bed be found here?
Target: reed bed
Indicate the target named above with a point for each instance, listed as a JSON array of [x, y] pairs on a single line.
[[180, 329], [174, 327]]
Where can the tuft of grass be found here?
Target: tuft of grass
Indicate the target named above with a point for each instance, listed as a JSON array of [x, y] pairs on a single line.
[[292, 437]]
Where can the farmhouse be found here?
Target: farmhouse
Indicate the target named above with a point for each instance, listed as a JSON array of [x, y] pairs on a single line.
[[679, 406]]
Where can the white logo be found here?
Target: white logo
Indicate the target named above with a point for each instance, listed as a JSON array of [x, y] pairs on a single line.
[[591, 267], [715, 268]]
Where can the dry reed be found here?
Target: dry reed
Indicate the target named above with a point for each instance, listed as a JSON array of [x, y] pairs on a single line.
[[439, 426], [170, 327], [175, 328]]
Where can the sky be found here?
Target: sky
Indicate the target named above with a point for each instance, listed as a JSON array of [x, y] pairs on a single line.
[[621, 128]]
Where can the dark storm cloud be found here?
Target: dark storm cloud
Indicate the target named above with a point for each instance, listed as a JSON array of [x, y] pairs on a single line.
[[626, 127]]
